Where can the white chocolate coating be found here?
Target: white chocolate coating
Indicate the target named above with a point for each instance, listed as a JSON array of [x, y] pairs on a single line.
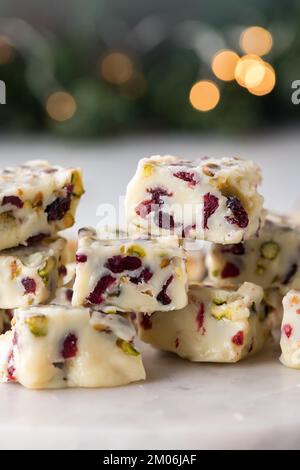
[[37, 199], [216, 326], [58, 346], [169, 195], [158, 280], [290, 330], [30, 275]]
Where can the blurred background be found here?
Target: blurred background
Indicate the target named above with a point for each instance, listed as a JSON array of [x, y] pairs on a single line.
[[123, 79]]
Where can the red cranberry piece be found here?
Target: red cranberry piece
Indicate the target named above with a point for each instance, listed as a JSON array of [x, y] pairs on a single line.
[[145, 276], [69, 348], [291, 272], [230, 270], [200, 317], [237, 249], [14, 200], [240, 216], [96, 297], [69, 294], [176, 342], [186, 232], [62, 270], [146, 322], [118, 264], [162, 296], [15, 338], [287, 329], [29, 285], [59, 207], [164, 220], [10, 367], [186, 176], [238, 338], [35, 238], [211, 204], [80, 258], [144, 208], [157, 194]]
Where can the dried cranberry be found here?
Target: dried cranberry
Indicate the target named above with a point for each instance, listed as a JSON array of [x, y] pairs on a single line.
[[35, 238], [186, 232], [240, 216], [164, 220], [237, 249], [144, 208], [118, 264], [69, 348], [162, 296], [200, 317], [62, 270], [29, 285], [11, 368], [69, 294], [287, 329], [80, 258], [186, 176], [96, 297], [15, 338], [157, 194], [145, 276], [14, 200], [145, 322], [238, 338], [291, 272], [230, 270], [59, 207], [211, 204], [148, 205], [176, 342]]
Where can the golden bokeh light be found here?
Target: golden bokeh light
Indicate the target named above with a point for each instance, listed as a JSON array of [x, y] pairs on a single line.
[[116, 68], [224, 63], [7, 51], [256, 40], [267, 84], [204, 95], [61, 106], [249, 71]]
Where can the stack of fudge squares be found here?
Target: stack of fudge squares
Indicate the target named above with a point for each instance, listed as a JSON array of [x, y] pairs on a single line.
[[71, 312]]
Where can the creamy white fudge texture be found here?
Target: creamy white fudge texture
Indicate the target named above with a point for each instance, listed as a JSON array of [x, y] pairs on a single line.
[[271, 260], [29, 275], [216, 326], [290, 330], [37, 199], [59, 346], [208, 199], [139, 275]]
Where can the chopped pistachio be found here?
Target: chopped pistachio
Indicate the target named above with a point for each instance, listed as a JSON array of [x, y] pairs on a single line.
[[219, 312], [219, 301], [260, 268], [38, 325], [136, 250], [127, 347], [68, 220], [15, 269], [101, 328], [27, 205], [165, 262], [148, 169], [48, 266], [76, 181], [269, 250]]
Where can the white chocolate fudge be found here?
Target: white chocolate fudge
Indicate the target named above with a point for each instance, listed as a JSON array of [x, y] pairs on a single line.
[[29, 275], [290, 330], [195, 262], [6, 316], [216, 326], [271, 260], [59, 346], [208, 199], [63, 296], [139, 275], [37, 200]]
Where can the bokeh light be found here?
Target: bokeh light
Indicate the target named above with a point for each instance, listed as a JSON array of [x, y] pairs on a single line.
[[267, 84], [224, 63], [256, 40], [204, 95], [249, 71], [7, 51], [116, 68], [61, 106]]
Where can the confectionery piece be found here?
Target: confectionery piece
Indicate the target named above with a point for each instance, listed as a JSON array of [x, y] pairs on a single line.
[[55, 346], [139, 275], [195, 260], [37, 200], [208, 199], [290, 330], [270, 260], [29, 275], [63, 296], [216, 326]]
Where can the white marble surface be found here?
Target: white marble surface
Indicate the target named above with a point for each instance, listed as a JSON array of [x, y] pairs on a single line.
[[253, 404]]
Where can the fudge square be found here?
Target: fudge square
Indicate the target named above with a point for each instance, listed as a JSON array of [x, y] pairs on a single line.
[[290, 330], [29, 275], [55, 346], [216, 326], [139, 275], [208, 199], [36, 200], [271, 260]]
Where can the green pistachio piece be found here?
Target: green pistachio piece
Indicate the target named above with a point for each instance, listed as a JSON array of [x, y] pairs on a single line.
[[219, 301], [38, 325], [127, 347], [219, 313], [76, 181], [47, 269], [269, 250], [216, 273], [136, 250], [260, 268]]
